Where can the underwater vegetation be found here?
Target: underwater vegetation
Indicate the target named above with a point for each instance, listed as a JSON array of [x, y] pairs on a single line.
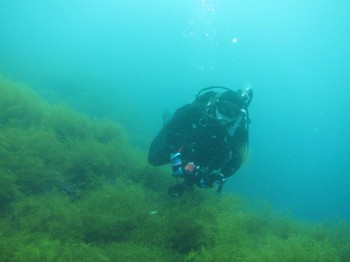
[[72, 188]]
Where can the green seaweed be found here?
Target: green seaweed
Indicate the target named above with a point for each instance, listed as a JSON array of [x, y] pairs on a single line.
[[8, 191], [72, 188]]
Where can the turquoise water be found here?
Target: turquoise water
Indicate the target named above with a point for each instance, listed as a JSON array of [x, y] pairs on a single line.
[[131, 60]]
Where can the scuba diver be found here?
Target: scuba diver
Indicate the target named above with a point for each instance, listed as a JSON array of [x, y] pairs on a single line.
[[205, 141]]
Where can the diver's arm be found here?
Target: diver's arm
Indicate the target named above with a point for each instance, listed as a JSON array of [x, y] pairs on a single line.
[[237, 154], [232, 166], [178, 126], [171, 137]]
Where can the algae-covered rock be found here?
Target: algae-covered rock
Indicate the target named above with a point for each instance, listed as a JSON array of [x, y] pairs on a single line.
[[72, 188]]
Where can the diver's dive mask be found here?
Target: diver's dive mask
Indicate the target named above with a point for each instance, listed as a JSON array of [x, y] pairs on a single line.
[[228, 109], [226, 112]]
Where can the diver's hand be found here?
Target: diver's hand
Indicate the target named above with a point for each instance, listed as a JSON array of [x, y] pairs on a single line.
[[219, 180], [210, 180], [177, 171], [204, 178]]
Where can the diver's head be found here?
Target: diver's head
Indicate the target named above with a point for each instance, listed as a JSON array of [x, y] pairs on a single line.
[[228, 107]]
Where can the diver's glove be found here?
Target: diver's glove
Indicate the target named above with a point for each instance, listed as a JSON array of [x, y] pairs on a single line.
[[219, 180], [209, 180], [176, 164]]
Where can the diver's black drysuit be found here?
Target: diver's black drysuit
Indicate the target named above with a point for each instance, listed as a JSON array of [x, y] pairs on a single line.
[[200, 139]]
